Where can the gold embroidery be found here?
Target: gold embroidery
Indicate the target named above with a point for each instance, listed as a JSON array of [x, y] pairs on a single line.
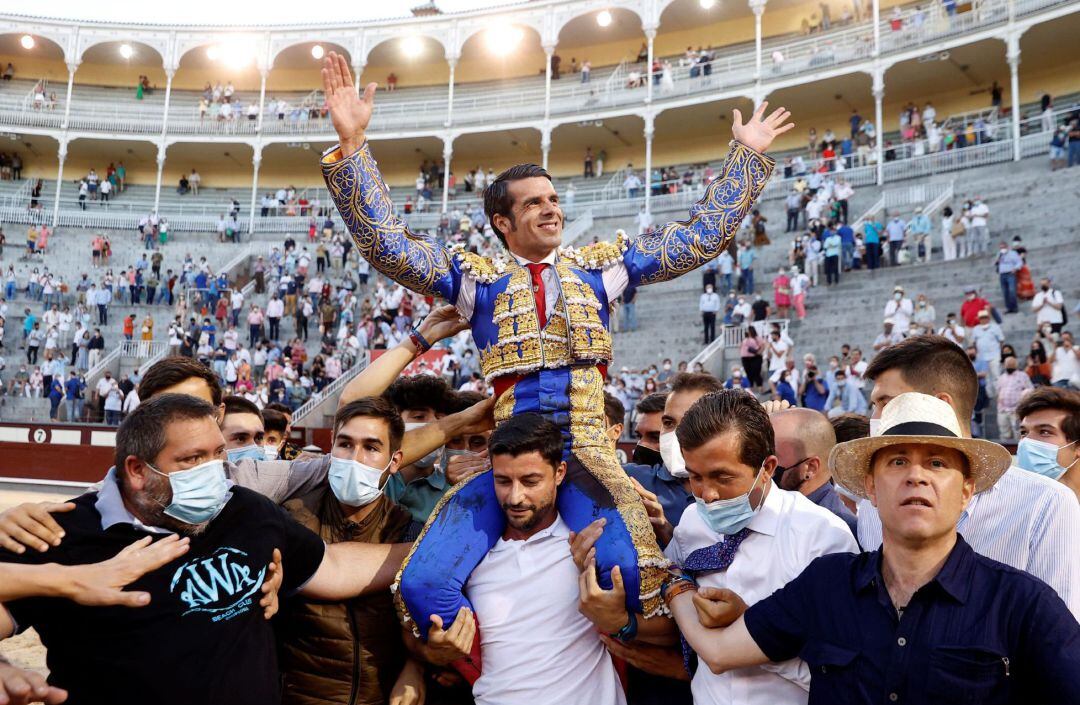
[[592, 448]]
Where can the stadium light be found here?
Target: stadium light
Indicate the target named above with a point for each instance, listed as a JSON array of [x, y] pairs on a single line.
[[317, 52], [412, 47], [126, 51], [707, 4], [213, 53], [603, 18], [27, 41], [237, 52], [504, 39]]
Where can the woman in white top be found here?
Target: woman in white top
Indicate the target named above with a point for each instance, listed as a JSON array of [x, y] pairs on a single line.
[[948, 244]]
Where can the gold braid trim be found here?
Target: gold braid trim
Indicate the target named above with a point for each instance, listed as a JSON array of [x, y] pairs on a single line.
[[592, 448]]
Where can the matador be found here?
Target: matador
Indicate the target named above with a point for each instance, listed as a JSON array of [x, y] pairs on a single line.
[[539, 314]]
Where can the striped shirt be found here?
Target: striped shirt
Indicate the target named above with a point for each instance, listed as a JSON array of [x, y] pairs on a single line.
[[1025, 520]]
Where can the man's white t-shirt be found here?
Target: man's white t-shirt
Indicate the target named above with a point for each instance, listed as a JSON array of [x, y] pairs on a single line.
[[786, 534], [535, 645], [1047, 313]]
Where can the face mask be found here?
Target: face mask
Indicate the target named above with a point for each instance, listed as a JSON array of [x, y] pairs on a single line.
[[1045, 288], [875, 427], [840, 490], [431, 458], [198, 494], [646, 456], [1002, 251], [354, 483], [255, 452], [667, 366], [450, 453], [1040, 457], [898, 296], [672, 455], [729, 516], [270, 452]]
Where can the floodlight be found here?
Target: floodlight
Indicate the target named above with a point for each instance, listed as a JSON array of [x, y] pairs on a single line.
[[126, 51], [27, 41], [412, 47], [504, 39], [317, 52], [603, 18]]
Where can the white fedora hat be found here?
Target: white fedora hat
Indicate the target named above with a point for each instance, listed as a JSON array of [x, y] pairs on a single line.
[[917, 418]]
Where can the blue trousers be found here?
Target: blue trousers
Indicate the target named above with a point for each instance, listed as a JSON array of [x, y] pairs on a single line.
[[747, 281], [1008, 290]]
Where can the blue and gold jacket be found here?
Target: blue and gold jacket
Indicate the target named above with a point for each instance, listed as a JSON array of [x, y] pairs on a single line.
[[504, 319]]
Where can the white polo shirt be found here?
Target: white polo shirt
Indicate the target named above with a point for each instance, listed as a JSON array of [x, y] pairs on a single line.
[[786, 534], [535, 645]]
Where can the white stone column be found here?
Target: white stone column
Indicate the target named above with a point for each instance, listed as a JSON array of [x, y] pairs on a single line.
[[545, 143], [648, 162], [1013, 57], [263, 74], [879, 132], [650, 35], [758, 8], [169, 73], [160, 166], [549, 51], [876, 51], [256, 159], [357, 69], [61, 157], [452, 61], [72, 67], [447, 155]]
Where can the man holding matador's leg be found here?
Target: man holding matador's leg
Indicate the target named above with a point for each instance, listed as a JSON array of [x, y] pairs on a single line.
[[539, 317]]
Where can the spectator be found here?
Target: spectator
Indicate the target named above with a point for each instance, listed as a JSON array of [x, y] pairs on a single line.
[[888, 337], [746, 257], [895, 231], [709, 305], [1011, 388], [1008, 263], [1050, 435], [987, 338], [782, 293], [899, 310], [833, 247], [979, 232], [972, 306], [1065, 362], [845, 397], [925, 317], [1049, 306], [751, 351]]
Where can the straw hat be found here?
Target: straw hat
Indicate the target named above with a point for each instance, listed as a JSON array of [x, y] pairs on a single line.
[[917, 418]]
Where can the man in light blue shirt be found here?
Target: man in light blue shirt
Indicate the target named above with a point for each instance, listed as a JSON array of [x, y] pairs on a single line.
[[919, 229], [895, 230], [833, 247], [1008, 262], [747, 255], [844, 398]]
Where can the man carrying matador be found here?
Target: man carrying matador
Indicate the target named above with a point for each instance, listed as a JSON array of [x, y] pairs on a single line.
[[539, 314]]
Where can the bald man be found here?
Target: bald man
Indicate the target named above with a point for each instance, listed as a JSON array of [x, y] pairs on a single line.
[[804, 438]]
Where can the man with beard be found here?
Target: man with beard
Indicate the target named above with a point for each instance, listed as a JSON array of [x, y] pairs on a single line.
[[202, 637], [804, 439]]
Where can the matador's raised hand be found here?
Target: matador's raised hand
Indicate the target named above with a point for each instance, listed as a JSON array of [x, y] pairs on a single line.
[[759, 131], [349, 112]]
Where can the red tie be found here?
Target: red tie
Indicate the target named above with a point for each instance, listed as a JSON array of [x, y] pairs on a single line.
[[536, 271]]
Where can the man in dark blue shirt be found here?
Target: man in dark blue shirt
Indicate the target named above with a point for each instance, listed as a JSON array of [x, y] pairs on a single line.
[[922, 620]]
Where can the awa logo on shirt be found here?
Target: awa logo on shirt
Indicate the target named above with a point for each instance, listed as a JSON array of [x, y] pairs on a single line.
[[221, 584]]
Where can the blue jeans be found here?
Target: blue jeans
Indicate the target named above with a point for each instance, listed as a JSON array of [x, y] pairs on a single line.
[[629, 317], [847, 253], [1008, 290], [1074, 153], [9, 291], [747, 281], [727, 281]]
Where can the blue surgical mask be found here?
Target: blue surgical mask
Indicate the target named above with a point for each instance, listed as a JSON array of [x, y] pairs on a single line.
[[1040, 457], [198, 494], [255, 452], [354, 483], [729, 516]]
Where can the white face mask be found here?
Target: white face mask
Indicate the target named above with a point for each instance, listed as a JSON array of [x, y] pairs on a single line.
[[672, 455]]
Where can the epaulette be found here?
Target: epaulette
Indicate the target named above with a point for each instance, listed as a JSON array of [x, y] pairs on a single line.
[[598, 255]]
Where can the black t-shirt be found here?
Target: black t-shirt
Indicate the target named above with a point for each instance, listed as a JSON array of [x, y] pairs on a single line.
[[202, 639], [760, 309]]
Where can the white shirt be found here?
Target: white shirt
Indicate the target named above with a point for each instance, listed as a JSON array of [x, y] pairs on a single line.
[[979, 212], [786, 534], [535, 645], [275, 308], [900, 312], [1025, 520], [1045, 312]]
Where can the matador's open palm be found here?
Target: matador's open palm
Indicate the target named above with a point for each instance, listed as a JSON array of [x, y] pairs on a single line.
[[759, 131], [349, 112]]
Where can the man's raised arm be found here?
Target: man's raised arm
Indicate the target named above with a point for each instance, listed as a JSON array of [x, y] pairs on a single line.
[[382, 237], [349, 569], [681, 246]]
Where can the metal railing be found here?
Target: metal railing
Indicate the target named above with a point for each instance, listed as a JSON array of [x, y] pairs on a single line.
[[577, 228], [142, 349], [335, 387]]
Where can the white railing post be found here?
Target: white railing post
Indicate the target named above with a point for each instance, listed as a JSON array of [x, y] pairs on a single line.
[[549, 51], [451, 60], [169, 73], [879, 96], [1013, 57], [447, 155], [263, 74], [160, 166], [61, 156], [256, 159], [545, 143], [877, 28], [72, 67], [649, 124], [758, 8], [650, 35]]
